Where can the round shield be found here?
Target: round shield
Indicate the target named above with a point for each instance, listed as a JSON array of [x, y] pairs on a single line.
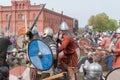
[[19, 73], [113, 75], [40, 54], [84, 41], [20, 40]]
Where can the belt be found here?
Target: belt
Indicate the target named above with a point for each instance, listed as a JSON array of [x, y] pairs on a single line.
[[117, 55]]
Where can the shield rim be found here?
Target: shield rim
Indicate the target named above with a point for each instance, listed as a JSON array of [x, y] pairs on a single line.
[[83, 39], [111, 72], [17, 40], [50, 51]]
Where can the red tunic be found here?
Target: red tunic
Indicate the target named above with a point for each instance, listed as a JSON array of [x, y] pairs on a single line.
[[116, 61], [68, 47]]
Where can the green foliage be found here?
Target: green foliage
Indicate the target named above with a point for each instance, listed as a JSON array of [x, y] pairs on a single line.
[[102, 23], [81, 30], [112, 25]]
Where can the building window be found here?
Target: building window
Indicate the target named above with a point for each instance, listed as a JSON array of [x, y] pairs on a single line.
[[34, 16], [23, 6], [17, 5], [20, 6], [7, 17], [21, 17]]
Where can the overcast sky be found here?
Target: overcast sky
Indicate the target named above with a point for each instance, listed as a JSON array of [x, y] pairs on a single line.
[[80, 9]]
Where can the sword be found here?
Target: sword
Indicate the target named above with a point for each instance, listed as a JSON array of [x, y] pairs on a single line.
[[56, 61], [36, 19], [29, 32], [8, 26]]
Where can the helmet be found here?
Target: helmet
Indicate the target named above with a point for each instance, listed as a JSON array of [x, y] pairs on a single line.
[[93, 71], [48, 31], [34, 30], [64, 26], [14, 50], [118, 30]]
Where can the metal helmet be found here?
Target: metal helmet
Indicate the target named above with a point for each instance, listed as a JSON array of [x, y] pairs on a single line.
[[118, 30], [48, 31], [64, 26], [93, 71], [34, 30], [14, 50]]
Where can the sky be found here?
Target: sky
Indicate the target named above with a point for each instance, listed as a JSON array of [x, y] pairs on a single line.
[[82, 10]]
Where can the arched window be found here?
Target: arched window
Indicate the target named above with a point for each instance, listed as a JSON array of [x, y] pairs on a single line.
[[23, 6], [34, 16], [16, 5], [20, 6], [21, 17], [7, 17]]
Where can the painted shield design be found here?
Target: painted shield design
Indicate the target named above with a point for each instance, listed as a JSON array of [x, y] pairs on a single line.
[[84, 41], [40, 54]]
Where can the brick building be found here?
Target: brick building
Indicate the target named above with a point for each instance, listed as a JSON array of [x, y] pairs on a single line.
[[23, 13]]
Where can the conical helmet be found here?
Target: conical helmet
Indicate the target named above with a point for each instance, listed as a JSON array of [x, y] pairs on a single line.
[[48, 31], [34, 30], [14, 50], [64, 26]]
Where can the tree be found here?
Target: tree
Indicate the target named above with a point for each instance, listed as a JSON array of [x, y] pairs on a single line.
[[112, 25], [102, 23]]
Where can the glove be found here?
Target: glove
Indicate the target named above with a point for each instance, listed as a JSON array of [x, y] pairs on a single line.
[[59, 41], [29, 34]]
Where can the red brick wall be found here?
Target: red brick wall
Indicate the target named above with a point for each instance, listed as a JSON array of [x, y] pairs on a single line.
[[47, 18]]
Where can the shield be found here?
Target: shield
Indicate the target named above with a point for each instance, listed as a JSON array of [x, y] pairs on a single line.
[[40, 54], [84, 42], [113, 75], [19, 72]]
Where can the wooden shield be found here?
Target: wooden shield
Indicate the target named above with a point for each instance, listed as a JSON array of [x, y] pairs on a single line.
[[40, 54], [113, 75], [19, 72], [84, 42], [20, 41]]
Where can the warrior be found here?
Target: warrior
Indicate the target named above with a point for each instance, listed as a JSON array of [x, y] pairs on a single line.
[[4, 67], [93, 71], [47, 37], [116, 50], [33, 34], [105, 43], [68, 46]]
